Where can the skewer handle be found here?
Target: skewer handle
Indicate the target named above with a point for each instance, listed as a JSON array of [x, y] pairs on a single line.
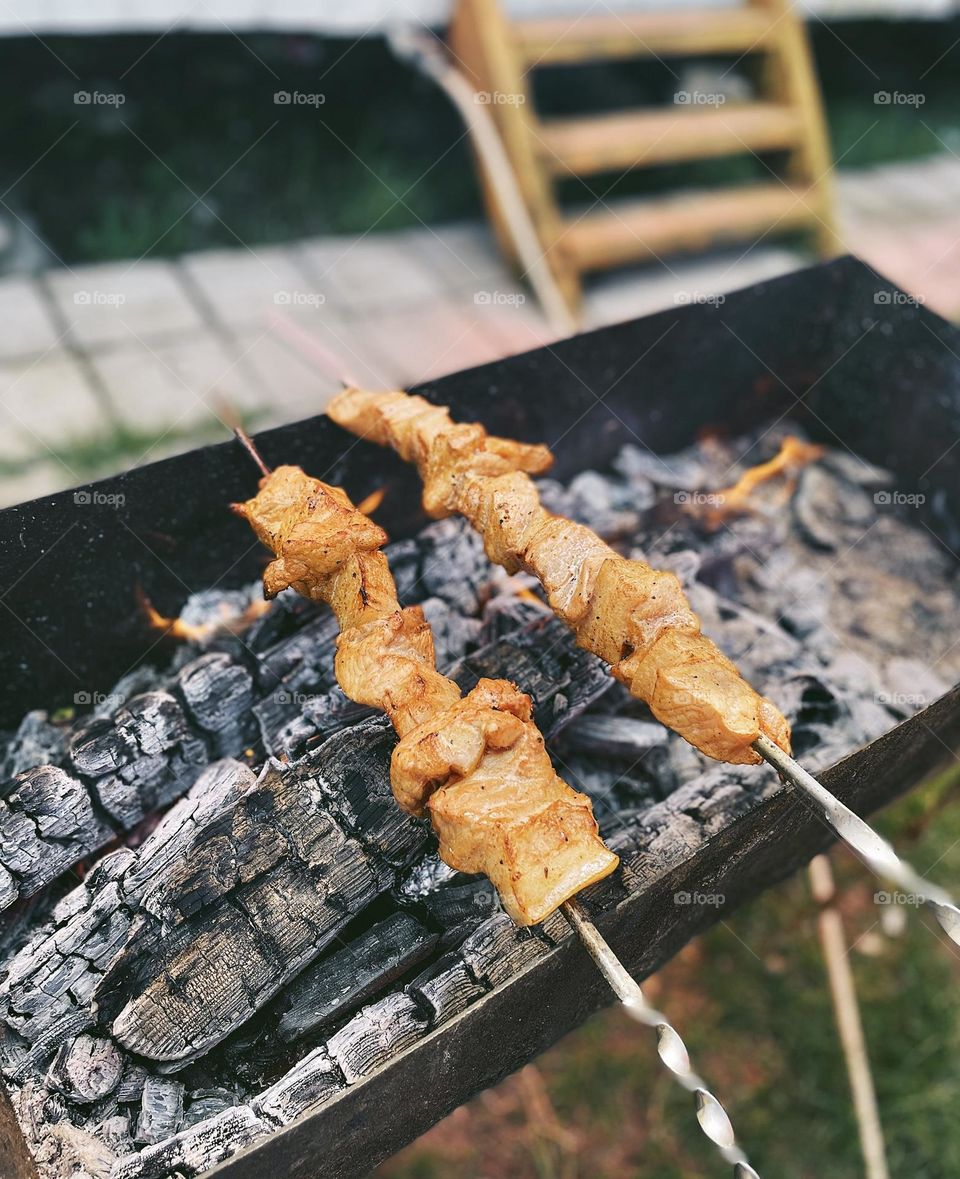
[[868, 844], [711, 1115]]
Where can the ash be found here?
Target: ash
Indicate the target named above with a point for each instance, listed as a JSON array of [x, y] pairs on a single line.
[[832, 598]]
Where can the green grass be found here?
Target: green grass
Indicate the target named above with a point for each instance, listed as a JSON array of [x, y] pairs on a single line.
[[752, 1001]]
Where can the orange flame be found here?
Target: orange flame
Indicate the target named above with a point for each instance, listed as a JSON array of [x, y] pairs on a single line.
[[794, 454], [199, 633], [373, 501]]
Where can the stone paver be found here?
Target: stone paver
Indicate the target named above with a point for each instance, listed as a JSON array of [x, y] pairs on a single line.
[[173, 386], [46, 402], [162, 340], [119, 301], [375, 271], [27, 325], [242, 287]]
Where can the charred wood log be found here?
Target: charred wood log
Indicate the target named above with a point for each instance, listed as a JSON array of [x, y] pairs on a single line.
[[267, 886], [341, 981], [46, 988]]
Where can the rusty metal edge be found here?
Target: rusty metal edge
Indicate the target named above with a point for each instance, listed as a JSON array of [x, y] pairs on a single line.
[[374, 1118]]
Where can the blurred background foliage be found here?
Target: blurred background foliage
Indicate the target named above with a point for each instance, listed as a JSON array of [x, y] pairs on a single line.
[[384, 149], [752, 1000]]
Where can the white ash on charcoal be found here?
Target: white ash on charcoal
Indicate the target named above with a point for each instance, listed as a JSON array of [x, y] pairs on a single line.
[[143, 743], [316, 915]]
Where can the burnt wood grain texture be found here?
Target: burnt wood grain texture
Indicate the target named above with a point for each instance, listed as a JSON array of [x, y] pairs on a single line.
[[353, 1102], [732, 845]]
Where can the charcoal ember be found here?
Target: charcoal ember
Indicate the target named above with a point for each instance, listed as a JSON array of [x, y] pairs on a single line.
[[196, 1150], [342, 980], [453, 634], [130, 1088], [679, 472], [404, 557], [355, 784], [506, 613], [851, 468], [610, 736], [831, 512], [86, 1069], [459, 905], [446, 989], [302, 662], [46, 988], [36, 742], [610, 788], [207, 1103], [310, 1083], [910, 685], [115, 1132], [453, 565], [66, 1150], [543, 661], [807, 611], [161, 1110], [167, 755], [47, 821], [607, 506], [290, 723], [497, 949], [376, 1033], [268, 884], [758, 648], [99, 748], [218, 693], [425, 876]]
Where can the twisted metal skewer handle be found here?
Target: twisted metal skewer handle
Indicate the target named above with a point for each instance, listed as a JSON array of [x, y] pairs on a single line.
[[868, 844], [711, 1115]]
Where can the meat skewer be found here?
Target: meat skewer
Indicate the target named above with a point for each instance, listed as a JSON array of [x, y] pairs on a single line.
[[476, 764], [635, 618]]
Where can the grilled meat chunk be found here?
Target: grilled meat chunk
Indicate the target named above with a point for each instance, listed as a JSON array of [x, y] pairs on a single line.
[[476, 764], [634, 617]]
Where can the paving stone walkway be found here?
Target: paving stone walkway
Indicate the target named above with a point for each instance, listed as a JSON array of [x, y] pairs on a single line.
[[109, 366]]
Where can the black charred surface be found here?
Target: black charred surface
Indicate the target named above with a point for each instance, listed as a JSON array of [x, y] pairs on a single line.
[[562, 678], [268, 884], [343, 980], [379, 1075]]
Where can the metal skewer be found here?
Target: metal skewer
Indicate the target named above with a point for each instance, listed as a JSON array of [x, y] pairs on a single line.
[[861, 838], [711, 1115]]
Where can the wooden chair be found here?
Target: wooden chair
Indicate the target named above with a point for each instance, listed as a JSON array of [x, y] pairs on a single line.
[[498, 55]]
